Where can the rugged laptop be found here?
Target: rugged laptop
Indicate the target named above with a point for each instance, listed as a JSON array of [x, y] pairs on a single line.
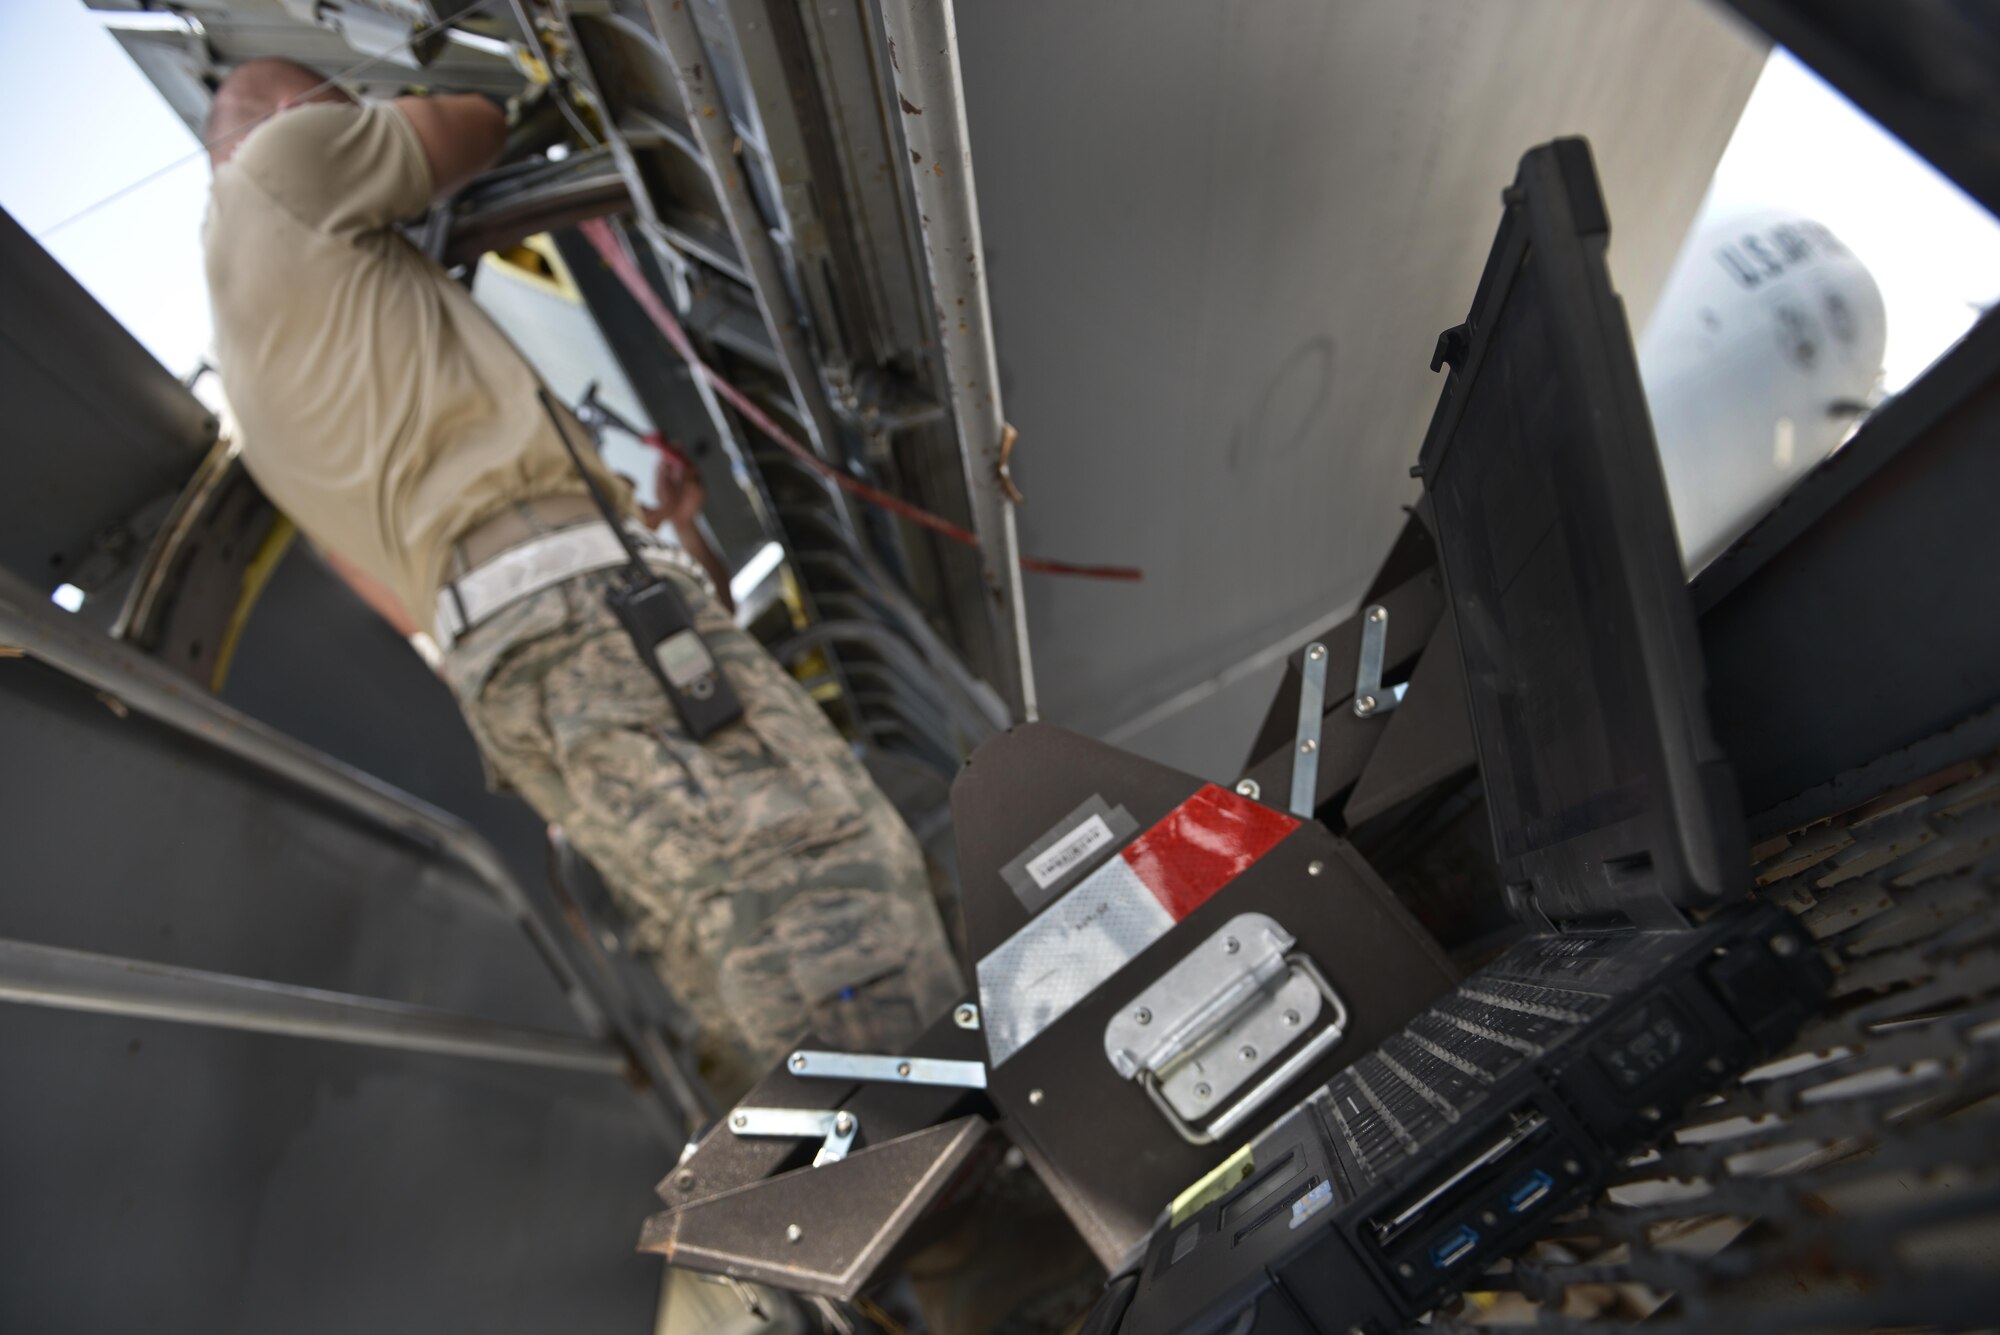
[[1648, 976]]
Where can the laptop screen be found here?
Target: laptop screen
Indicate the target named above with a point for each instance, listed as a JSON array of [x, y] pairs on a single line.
[[1606, 793]]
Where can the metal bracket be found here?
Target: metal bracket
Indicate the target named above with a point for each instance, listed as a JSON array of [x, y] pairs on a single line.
[[1218, 1020], [893, 1070], [1371, 697], [1305, 755], [833, 1128]]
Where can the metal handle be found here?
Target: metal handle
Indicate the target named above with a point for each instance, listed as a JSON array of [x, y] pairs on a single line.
[[1267, 1088], [1218, 1012]]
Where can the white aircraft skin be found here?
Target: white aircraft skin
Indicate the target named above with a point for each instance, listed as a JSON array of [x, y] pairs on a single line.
[[1765, 346]]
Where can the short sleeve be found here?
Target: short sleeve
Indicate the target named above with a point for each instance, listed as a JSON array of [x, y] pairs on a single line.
[[345, 170]]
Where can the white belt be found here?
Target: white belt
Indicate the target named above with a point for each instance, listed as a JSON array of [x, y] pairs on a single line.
[[538, 564]]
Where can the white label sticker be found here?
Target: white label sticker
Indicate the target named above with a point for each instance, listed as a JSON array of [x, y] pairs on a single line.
[[1050, 865], [1060, 957]]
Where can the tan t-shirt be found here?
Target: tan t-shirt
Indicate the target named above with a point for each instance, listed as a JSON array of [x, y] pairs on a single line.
[[377, 405]]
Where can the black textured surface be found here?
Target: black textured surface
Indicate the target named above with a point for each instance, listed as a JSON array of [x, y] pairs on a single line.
[[1583, 670]]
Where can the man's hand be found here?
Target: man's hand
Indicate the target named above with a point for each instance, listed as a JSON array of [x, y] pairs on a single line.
[[677, 484]]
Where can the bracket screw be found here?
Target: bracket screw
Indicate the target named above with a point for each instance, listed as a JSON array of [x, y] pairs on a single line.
[[798, 1061], [1142, 1016], [793, 1233], [1248, 788]]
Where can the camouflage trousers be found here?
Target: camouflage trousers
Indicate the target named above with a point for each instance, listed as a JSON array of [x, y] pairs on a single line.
[[772, 884]]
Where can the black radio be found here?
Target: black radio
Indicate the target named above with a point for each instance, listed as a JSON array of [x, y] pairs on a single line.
[[659, 621]]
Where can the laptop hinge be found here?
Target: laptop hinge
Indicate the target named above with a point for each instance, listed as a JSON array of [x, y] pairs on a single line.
[[1647, 913]]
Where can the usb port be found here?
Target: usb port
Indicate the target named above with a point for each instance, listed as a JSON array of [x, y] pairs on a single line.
[[1529, 1192], [1454, 1246]]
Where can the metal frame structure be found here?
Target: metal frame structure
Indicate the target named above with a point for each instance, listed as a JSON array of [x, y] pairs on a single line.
[[621, 1042]]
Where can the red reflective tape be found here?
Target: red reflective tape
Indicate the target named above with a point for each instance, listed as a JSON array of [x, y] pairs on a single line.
[[1203, 845]]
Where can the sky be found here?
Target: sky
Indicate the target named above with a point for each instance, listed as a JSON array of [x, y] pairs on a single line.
[[86, 123], [1800, 146]]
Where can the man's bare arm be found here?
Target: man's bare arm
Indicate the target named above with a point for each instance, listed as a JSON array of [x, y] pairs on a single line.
[[695, 544], [462, 135], [373, 592]]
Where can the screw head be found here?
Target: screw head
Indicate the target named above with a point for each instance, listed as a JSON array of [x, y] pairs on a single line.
[[1378, 613], [1316, 652], [1715, 1064], [1248, 1054], [1308, 746], [1650, 1114], [1202, 1091], [966, 1016], [1365, 705], [684, 1180], [1406, 1270], [741, 1119], [1315, 867], [903, 1069], [1142, 1016], [1230, 945], [798, 1061], [1248, 788], [844, 1124], [1784, 947], [1572, 1167], [1035, 1096], [1292, 1018], [793, 1233]]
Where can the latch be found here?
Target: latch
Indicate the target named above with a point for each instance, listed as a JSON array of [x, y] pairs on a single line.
[[1243, 1006], [832, 1127], [1371, 697], [889, 1070]]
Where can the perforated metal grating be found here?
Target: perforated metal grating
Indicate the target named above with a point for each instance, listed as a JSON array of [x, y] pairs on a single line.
[[1854, 1183]]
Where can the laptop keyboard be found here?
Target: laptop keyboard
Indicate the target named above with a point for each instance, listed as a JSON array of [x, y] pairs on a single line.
[[1391, 1104]]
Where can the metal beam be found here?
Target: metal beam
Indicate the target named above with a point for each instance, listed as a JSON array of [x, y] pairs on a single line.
[[708, 115], [930, 93], [79, 980]]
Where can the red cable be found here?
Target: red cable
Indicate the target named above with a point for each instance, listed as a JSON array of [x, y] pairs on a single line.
[[598, 232]]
